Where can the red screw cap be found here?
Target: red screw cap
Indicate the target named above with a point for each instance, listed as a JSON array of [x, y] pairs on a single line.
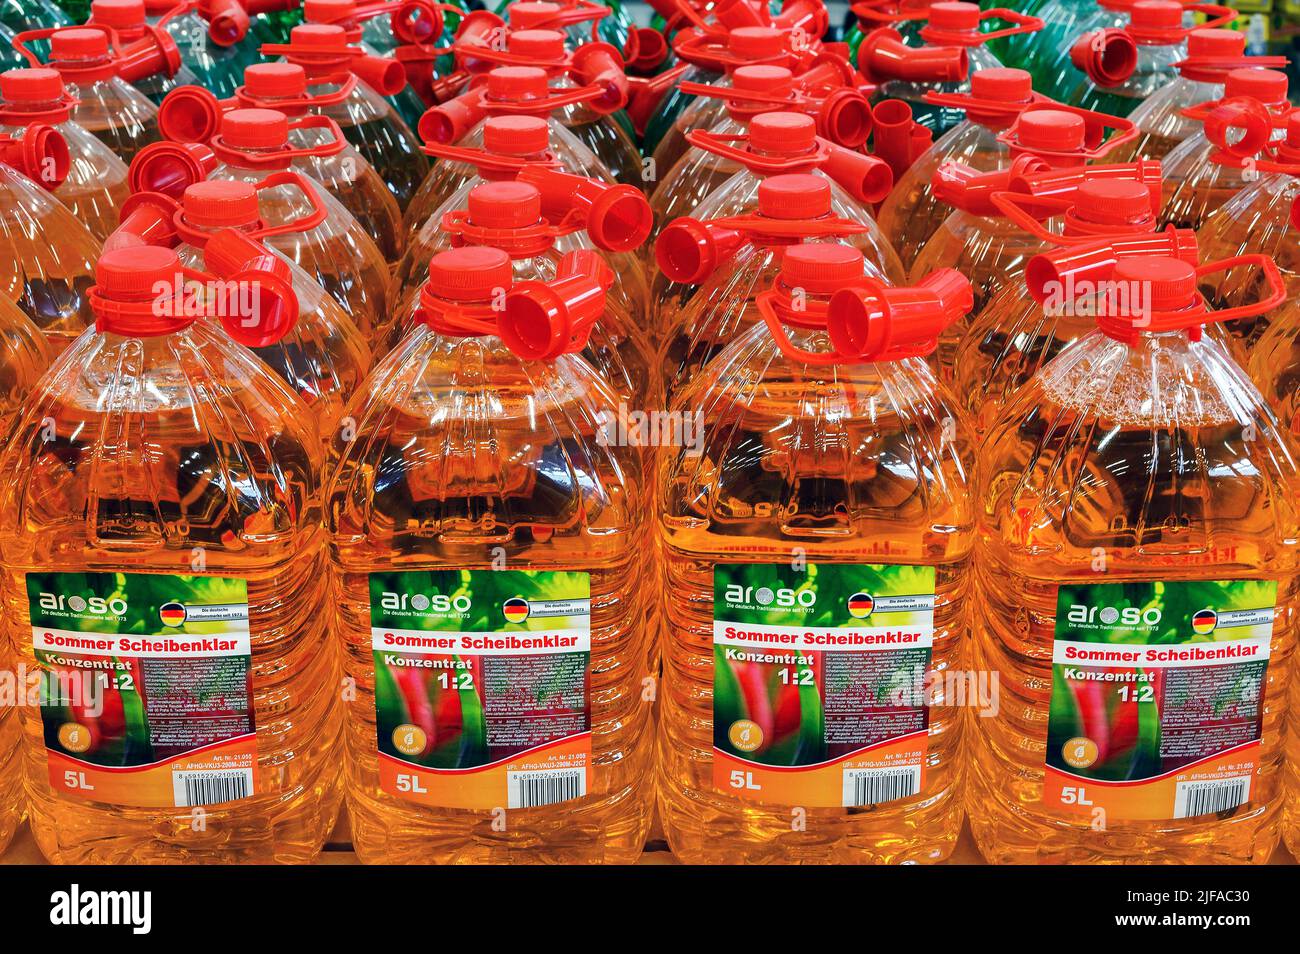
[[763, 79], [1267, 86], [78, 45], [1113, 202], [254, 128], [821, 268], [1002, 85], [516, 135], [531, 14], [542, 45], [782, 133], [1158, 284], [505, 205], [1051, 130], [118, 14], [217, 204], [1216, 43], [757, 43], [955, 16], [794, 196], [473, 273], [275, 80], [514, 83], [1157, 15], [133, 274], [31, 86]]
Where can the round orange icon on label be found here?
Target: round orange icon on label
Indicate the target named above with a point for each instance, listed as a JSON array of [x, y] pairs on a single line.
[[1079, 752], [74, 737], [745, 735], [409, 739]]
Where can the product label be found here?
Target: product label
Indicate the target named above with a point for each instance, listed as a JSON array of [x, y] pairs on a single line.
[[1157, 707], [149, 699], [482, 686], [818, 678]]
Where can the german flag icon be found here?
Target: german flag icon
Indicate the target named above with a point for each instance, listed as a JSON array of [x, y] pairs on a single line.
[[515, 609], [861, 605], [1204, 621], [172, 614]]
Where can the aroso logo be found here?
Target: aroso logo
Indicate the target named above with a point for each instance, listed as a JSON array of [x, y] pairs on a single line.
[[422, 603], [766, 596], [95, 605], [1110, 615]]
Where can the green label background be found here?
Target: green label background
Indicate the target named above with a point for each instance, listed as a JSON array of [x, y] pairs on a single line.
[[144, 593], [487, 589], [833, 583]]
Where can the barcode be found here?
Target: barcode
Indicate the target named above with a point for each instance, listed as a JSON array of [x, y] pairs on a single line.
[[873, 786], [211, 786], [1207, 798], [544, 787]]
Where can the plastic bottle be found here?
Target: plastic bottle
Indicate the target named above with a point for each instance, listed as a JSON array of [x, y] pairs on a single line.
[[508, 92], [955, 38], [508, 215], [912, 212], [1116, 80], [595, 67], [581, 21], [558, 737], [47, 256], [713, 270], [19, 15], [1211, 166], [253, 143], [1047, 53], [1211, 55], [827, 485], [106, 105], [1027, 323], [96, 182], [975, 239], [323, 358], [192, 114], [1136, 610], [1259, 218], [128, 19], [367, 121], [217, 40], [783, 142], [175, 580], [842, 113]]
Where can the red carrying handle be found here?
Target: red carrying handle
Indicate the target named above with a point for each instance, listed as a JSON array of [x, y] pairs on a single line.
[[843, 115], [1095, 124], [689, 250], [1018, 23], [278, 157], [483, 160], [304, 223]]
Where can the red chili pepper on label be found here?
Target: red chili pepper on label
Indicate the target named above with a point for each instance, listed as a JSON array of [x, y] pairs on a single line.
[[753, 687], [418, 707], [448, 712], [789, 707], [1090, 696]]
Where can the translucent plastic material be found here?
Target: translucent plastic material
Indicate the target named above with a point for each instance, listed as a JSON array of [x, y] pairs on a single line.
[[1196, 186], [1162, 456], [115, 112], [463, 451], [24, 355], [912, 214], [608, 141], [165, 429], [323, 359], [379, 134], [47, 258], [1161, 125], [1046, 54], [1255, 220], [97, 183], [338, 253], [215, 67], [1155, 71], [703, 112], [832, 465], [668, 115], [696, 176]]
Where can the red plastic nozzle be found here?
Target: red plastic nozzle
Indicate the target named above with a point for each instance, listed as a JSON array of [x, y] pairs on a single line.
[[385, 76], [868, 179], [190, 114], [154, 54], [651, 50], [598, 64], [872, 320], [884, 56], [1108, 57], [616, 217], [809, 18], [39, 152], [228, 20], [896, 137], [259, 285], [689, 250], [543, 320], [171, 167], [1063, 274], [147, 218], [452, 120], [645, 95]]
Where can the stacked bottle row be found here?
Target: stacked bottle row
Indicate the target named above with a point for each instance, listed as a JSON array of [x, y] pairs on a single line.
[[821, 497]]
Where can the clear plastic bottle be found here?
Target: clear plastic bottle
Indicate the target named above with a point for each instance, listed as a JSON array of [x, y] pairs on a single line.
[[1027, 323], [128, 18], [912, 212], [215, 53], [713, 270], [96, 183], [508, 216], [1136, 572], [19, 15], [529, 700], [1159, 117], [168, 535], [47, 256], [1047, 53], [1211, 166], [823, 496], [322, 357], [192, 114], [368, 122], [105, 104], [955, 38], [842, 114], [253, 143]]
